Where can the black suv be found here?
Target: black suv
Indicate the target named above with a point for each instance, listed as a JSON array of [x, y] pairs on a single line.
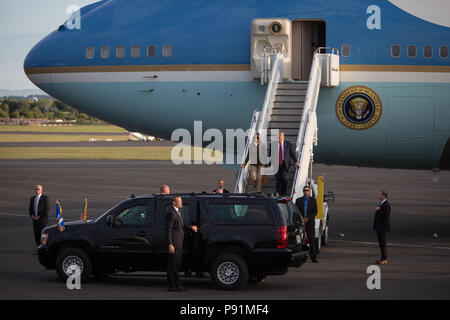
[[241, 238]]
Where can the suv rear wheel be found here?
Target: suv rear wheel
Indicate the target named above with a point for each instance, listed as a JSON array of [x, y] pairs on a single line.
[[73, 257], [229, 272]]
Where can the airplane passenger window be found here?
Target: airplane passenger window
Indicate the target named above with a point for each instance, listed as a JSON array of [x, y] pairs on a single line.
[[90, 53], [151, 51], [428, 51], [167, 51], [135, 51], [412, 51], [346, 50], [443, 52], [120, 52], [104, 52], [396, 50]]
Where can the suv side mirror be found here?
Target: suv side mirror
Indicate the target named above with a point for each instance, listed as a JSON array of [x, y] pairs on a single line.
[[329, 197], [110, 221]]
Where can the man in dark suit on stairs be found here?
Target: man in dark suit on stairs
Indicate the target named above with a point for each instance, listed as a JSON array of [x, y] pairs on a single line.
[[382, 225], [286, 158], [175, 228], [38, 210]]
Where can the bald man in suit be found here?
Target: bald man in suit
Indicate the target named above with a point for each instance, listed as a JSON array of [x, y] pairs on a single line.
[[38, 210], [175, 228]]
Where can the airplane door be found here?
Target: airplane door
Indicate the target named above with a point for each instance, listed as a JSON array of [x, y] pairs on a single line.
[[307, 36]]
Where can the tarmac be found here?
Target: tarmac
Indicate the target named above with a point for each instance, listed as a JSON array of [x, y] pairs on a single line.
[[419, 244]]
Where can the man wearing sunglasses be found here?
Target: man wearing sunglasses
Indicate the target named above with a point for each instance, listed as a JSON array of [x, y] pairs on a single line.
[[38, 210], [307, 206]]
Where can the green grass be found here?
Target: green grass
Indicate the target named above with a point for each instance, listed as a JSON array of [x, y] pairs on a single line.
[[56, 138], [91, 153], [74, 128]]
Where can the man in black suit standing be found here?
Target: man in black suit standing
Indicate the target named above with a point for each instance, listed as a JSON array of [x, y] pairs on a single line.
[[175, 236], [286, 158], [382, 225], [307, 206], [38, 210]]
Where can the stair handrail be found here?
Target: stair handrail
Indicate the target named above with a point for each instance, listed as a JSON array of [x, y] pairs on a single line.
[[275, 77], [307, 135], [241, 181], [262, 118]]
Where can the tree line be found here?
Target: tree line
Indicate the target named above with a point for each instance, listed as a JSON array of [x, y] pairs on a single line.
[[44, 108]]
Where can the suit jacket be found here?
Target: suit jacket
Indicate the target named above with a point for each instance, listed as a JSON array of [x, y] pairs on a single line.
[[224, 190], [312, 207], [382, 221], [290, 156], [254, 150], [43, 208], [175, 228]]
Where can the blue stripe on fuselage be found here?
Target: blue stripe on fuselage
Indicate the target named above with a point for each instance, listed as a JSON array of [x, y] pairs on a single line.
[[218, 32]]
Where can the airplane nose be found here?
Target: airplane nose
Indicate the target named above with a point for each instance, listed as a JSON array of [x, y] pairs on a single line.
[[37, 59]]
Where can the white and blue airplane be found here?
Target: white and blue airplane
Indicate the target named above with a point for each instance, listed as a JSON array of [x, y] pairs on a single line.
[[155, 66]]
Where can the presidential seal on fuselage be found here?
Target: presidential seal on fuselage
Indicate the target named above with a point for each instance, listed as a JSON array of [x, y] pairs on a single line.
[[359, 108]]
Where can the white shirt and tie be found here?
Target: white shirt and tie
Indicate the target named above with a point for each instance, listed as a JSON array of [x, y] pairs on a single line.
[[36, 204], [281, 145], [177, 210]]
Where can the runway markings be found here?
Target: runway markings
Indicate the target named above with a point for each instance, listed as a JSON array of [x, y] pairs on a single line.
[[393, 244], [14, 215]]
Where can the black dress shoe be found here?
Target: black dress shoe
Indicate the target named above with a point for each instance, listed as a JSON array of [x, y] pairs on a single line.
[[315, 260], [181, 289], [173, 290]]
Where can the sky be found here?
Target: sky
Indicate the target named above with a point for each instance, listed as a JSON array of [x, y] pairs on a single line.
[[23, 23]]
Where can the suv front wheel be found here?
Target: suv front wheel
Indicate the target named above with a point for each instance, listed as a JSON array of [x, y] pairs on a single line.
[[71, 259], [229, 272]]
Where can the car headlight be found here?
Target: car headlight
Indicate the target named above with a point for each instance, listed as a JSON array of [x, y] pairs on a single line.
[[44, 238]]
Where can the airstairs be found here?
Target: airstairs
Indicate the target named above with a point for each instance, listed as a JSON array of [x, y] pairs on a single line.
[[289, 107]]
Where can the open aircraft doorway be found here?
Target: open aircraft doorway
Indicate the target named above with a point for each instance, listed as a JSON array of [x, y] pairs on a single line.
[[307, 36]]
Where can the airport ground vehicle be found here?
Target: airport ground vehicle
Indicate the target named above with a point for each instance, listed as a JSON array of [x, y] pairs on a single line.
[[322, 221], [241, 238]]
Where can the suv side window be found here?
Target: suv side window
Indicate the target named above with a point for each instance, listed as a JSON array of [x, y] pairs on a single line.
[[286, 213], [247, 214], [135, 215], [187, 211], [296, 216]]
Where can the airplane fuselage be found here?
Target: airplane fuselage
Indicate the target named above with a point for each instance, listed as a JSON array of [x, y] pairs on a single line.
[[154, 67]]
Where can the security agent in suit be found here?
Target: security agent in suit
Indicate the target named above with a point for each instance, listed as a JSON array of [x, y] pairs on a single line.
[[382, 225], [38, 210], [286, 158], [175, 228], [307, 206]]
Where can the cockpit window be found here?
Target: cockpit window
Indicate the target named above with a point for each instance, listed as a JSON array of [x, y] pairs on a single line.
[[90, 52]]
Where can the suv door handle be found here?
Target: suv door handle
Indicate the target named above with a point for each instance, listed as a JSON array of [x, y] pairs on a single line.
[[143, 234]]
